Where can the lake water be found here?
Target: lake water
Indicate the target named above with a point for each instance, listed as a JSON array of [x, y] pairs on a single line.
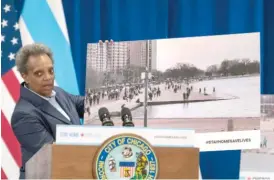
[[247, 103]]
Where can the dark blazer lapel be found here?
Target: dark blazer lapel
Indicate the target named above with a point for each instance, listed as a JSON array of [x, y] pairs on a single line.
[[42, 104], [47, 108], [61, 101]]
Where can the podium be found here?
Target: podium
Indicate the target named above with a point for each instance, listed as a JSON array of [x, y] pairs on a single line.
[[86, 152], [76, 162]]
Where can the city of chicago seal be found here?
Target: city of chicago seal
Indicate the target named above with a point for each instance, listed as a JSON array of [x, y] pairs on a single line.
[[125, 156]]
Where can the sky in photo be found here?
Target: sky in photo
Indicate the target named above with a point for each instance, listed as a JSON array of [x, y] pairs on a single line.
[[208, 50]]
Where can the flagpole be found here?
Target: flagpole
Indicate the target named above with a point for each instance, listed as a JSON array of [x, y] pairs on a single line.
[[146, 84]]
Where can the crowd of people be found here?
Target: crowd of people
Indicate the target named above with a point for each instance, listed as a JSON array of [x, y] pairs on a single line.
[[132, 91], [205, 92], [127, 92], [176, 86], [153, 92], [96, 97]]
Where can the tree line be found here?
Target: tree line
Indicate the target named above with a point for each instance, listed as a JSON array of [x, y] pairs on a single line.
[[133, 73], [233, 67]]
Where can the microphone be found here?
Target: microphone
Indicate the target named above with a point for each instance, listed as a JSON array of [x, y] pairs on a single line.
[[127, 117], [105, 117]]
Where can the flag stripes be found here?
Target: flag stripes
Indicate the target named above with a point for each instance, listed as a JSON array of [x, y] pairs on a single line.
[[3, 175], [25, 35], [10, 139], [42, 22], [14, 87], [8, 102], [123, 174], [55, 7], [9, 165], [49, 33]]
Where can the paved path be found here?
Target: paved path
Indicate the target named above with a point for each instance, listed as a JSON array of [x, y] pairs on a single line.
[[167, 97], [114, 106]]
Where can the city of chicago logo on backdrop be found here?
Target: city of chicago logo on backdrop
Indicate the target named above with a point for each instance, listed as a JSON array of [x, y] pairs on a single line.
[[126, 156]]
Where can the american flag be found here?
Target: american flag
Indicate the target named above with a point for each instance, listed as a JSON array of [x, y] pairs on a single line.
[[35, 18], [10, 43]]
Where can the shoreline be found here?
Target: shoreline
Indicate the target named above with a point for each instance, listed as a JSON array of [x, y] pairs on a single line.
[[228, 77], [167, 97], [157, 103]]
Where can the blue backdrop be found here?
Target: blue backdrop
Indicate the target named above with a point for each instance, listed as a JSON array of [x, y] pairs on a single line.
[[93, 20]]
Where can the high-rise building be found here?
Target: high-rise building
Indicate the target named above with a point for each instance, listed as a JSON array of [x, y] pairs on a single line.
[[152, 55], [138, 54], [109, 56], [118, 56], [97, 56]]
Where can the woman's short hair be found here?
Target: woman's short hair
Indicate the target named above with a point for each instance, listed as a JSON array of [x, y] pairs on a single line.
[[26, 51]]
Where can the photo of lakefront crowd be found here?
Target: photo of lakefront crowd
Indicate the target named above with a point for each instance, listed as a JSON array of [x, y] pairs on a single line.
[[180, 94]]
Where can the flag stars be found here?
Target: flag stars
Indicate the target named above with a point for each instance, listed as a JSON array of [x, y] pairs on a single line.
[[14, 41], [4, 23], [11, 56], [2, 38], [6, 8], [16, 26]]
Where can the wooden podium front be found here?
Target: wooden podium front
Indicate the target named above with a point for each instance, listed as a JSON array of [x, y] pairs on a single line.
[[76, 162]]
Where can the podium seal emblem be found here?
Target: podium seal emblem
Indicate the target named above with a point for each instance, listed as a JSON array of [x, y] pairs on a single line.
[[126, 156]]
